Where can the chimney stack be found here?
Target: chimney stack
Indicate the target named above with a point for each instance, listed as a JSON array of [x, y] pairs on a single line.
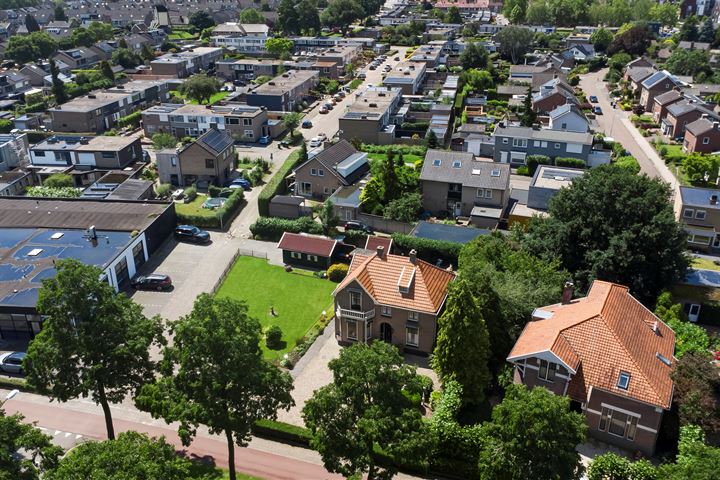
[[380, 251], [567, 293], [413, 256]]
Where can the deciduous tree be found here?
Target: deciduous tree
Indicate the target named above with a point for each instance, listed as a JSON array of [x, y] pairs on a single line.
[[632, 240], [327, 216], [25, 452], [201, 20], [308, 17], [94, 342], [214, 374], [163, 140], [666, 13], [696, 388], [250, 15], [474, 56], [532, 434], [291, 121], [514, 42], [200, 87], [601, 39], [288, 18], [279, 47], [341, 14], [633, 41], [367, 406], [125, 58], [695, 460]]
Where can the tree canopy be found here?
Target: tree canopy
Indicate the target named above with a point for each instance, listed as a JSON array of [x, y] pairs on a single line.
[[250, 15], [39, 454], [279, 47], [214, 374], [474, 56], [201, 20], [367, 405], [200, 87], [514, 42], [696, 386], [341, 13], [632, 240]]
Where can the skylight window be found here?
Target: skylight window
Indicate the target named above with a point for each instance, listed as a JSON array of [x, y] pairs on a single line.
[[436, 162], [56, 236], [624, 380], [663, 359], [34, 252], [495, 173], [457, 164]]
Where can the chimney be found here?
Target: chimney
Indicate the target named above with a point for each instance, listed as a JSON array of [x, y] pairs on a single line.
[[380, 252], [713, 199], [655, 328], [716, 125], [413, 256], [567, 293]]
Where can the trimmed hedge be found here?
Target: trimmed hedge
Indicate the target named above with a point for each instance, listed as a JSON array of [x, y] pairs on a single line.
[[355, 237], [533, 161], [569, 162], [276, 185], [272, 228], [10, 383], [132, 120], [419, 150], [283, 432], [429, 250]]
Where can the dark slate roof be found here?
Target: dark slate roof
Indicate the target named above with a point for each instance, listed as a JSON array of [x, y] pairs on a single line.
[[461, 167], [215, 141], [335, 154], [699, 126], [668, 97]]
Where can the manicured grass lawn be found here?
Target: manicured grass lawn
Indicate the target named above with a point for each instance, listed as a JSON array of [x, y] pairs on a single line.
[[704, 264], [355, 83], [180, 35], [194, 207], [214, 99], [408, 158], [298, 298], [674, 150]]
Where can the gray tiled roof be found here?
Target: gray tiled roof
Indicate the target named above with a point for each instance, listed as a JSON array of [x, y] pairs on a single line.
[[544, 134], [461, 167]]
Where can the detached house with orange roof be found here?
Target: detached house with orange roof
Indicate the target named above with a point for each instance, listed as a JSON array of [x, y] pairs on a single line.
[[392, 298], [610, 355]]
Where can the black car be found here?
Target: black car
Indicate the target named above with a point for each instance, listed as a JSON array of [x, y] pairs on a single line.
[[153, 281], [358, 226], [191, 234]]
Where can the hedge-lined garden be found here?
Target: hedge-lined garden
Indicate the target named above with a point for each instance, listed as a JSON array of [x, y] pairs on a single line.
[[429, 250], [219, 218], [272, 228], [276, 185]]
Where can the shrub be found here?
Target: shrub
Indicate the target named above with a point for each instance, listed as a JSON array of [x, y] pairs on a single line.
[[163, 140], [337, 272], [355, 237], [420, 150], [569, 162], [272, 228], [190, 194], [534, 160], [276, 185], [523, 170], [132, 120], [163, 190], [428, 250], [50, 192], [255, 175], [273, 337], [58, 180], [629, 163], [214, 191]]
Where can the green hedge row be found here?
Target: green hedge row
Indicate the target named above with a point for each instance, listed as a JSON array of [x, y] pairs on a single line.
[[355, 237], [272, 228], [569, 162], [132, 120], [16, 383], [428, 250], [276, 185], [283, 432], [222, 216], [419, 150]]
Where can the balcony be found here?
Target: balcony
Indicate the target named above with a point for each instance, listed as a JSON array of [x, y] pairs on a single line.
[[354, 314]]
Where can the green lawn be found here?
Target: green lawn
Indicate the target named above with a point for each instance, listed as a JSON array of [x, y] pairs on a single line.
[[704, 264], [181, 35], [194, 207], [674, 150], [408, 158], [298, 298], [214, 99]]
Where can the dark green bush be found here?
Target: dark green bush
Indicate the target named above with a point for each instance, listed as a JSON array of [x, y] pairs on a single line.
[[355, 237], [163, 190], [569, 162], [337, 272], [132, 120], [404, 149], [429, 250], [276, 185], [283, 432], [273, 337], [190, 194], [214, 191], [272, 228], [533, 161]]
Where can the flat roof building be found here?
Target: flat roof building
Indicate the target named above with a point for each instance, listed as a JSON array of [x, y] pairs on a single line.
[[369, 117], [184, 64], [408, 76], [285, 91]]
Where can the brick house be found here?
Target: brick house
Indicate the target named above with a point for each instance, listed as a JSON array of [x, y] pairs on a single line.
[[392, 298], [700, 215], [702, 136], [207, 161], [657, 83], [338, 165], [610, 355], [663, 101], [680, 114]]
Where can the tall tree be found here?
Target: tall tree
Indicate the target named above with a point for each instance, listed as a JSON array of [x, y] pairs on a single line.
[[279, 47], [58, 87], [341, 14], [31, 24], [453, 16], [126, 58], [474, 56], [431, 140], [538, 13], [250, 15], [529, 116], [288, 18], [532, 434], [25, 452], [633, 41], [666, 13], [308, 17], [303, 155], [515, 10], [689, 29], [59, 13], [366, 406], [514, 42], [390, 178], [695, 460], [707, 32], [291, 121], [463, 342], [201, 20], [200, 87], [601, 39], [327, 216], [107, 70], [632, 240], [94, 342], [214, 374], [146, 53], [132, 455], [696, 387]]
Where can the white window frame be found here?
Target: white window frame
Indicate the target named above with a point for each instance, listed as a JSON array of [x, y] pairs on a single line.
[[359, 296], [630, 425], [313, 172], [320, 172], [536, 144], [412, 339], [520, 142], [488, 193], [347, 325], [385, 311], [706, 140], [557, 146], [296, 255], [546, 371], [414, 316], [312, 258], [699, 214], [249, 134], [623, 380], [688, 213]]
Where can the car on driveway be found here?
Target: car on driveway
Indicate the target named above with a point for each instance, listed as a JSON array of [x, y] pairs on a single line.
[[315, 142], [306, 124], [240, 183], [265, 140], [322, 137], [597, 111], [154, 281], [190, 233], [12, 362], [353, 225], [593, 99]]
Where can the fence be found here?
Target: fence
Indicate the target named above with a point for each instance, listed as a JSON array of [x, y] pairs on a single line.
[[225, 272], [383, 224], [252, 253]]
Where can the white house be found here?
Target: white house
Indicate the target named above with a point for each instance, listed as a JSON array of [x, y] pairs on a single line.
[[568, 118], [243, 37]]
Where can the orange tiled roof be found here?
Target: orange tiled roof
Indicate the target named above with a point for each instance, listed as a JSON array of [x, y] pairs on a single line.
[[600, 335], [380, 278]]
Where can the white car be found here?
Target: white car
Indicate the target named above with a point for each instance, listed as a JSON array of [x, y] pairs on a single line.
[[322, 137], [315, 142]]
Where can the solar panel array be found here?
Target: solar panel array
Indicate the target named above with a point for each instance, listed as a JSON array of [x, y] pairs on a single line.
[[216, 140]]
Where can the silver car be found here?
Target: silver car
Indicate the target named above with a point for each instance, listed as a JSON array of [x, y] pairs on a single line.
[[12, 362]]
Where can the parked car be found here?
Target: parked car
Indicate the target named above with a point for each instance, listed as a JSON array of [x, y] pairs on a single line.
[[265, 140], [593, 99], [240, 183], [328, 105], [12, 362], [362, 75], [340, 93], [324, 110], [597, 111], [322, 137], [154, 281], [239, 83], [315, 142], [353, 225], [397, 59], [178, 194], [306, 124], [387, 68], [372, 66], [192, 234]]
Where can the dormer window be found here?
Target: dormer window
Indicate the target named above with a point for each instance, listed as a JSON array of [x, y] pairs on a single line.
[[436, 162], [624, 380]]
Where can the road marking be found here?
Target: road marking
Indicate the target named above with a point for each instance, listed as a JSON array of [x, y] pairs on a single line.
[[67, 434]]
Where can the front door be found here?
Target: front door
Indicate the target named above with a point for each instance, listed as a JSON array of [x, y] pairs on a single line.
[[694, 312], [386, 332], [458, 209]]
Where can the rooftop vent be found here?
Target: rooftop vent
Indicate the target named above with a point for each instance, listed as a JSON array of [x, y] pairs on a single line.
[[713, 199]]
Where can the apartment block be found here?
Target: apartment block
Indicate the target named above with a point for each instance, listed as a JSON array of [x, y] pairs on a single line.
[[184, 64], [370, 118], [285, 91], [241, 37]]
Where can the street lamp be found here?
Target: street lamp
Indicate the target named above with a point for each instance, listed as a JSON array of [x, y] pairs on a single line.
[[10, 395]]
